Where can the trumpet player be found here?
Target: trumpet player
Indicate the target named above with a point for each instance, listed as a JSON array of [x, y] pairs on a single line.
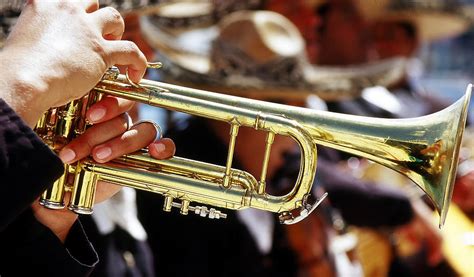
[[398, 31], [58, 51]]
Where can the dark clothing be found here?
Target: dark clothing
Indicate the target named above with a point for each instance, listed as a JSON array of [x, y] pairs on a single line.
[[27, 165], [360, 203], [194, 246], [29, 247], [27, 168], [120, 254]]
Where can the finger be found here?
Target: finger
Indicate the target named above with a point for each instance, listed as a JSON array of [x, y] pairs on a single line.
[[126, 53], [82, 146], [162, 149], [108, 108], [138, 137], [111, 22]]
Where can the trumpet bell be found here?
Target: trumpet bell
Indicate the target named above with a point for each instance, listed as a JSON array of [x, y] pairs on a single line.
[[446, 130]]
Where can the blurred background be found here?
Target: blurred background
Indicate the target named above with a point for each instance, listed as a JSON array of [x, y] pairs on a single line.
[[449, 64], [339, 239]]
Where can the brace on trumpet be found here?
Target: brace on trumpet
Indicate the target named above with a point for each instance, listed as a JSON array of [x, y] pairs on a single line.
[[425, 149]]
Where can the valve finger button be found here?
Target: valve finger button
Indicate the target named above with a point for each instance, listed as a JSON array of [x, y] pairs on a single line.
[[184, 207], [216, 214], [203, 211], [212, 213], [168, 204]]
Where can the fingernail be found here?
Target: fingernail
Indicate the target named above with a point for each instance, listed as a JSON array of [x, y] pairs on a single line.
[[67, 155], [103, 152], [96, 114], [159, 147]]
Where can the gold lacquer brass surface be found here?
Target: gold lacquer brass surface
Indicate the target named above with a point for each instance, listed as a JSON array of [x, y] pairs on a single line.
[[425, 149]]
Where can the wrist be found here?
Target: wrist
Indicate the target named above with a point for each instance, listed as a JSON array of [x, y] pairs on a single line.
[[59, 222], [21, 88]]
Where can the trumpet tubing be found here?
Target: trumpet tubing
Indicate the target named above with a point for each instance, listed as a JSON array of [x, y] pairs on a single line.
[[425, 149]]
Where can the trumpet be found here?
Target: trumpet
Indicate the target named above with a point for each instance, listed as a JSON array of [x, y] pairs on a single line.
[[425, 149]]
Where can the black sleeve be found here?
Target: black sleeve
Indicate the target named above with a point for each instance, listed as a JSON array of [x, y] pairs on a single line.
[[361, 203], [29, 247], [27, 165]]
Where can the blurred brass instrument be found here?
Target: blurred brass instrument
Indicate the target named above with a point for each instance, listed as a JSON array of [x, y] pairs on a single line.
[[425, 149]]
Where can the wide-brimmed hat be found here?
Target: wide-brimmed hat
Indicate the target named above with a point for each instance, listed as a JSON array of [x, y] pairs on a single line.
[[257, 51], [434, 20]]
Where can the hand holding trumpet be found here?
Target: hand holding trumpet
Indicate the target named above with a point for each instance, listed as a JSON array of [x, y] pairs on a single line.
[[46, 63], [111, 136], [59, 50]]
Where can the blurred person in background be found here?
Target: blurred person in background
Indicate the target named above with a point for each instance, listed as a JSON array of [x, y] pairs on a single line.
[[400, 31], [248, 242], [458, 233], [338, 46], [191, 246], [343, 38]]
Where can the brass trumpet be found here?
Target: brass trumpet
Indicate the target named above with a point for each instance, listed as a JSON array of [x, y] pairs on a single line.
[[425, 149]]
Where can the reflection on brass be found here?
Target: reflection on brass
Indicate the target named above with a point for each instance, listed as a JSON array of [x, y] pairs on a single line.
[[425, 149]]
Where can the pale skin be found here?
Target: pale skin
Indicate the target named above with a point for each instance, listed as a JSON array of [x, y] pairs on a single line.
[[47, 63], [344, 40]]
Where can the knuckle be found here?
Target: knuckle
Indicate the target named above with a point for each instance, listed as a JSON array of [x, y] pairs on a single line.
[[98, 47], [116, 126], [131, 48], [68, 7], [82, 146], [102, 52], [127, 144], [114, 15], [87, 142]]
